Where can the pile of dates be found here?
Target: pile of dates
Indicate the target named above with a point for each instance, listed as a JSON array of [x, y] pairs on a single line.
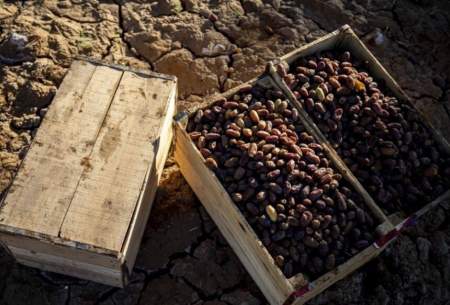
[[381, 139], [306, 215]]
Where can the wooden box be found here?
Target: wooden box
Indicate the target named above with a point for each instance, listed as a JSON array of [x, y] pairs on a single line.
[[345, 38], [242, 238], [81, 199]]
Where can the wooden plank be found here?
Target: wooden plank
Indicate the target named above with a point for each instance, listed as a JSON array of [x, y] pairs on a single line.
[[41, 193], [339, 273], [325, 42], [62, 265], [145, 201], [68, 252], [109, 188], [230, 221]]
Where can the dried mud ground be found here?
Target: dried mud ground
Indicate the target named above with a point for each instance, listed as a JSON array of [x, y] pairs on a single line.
[[210, 46]]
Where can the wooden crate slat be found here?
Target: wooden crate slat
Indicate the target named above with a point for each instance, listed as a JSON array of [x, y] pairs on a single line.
[[63, 251], [325, 42], [339, 273], [39, 197], [107, 194], [145, 201], [54, 263]]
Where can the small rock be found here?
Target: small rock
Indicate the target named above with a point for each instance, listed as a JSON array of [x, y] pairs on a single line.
[[435, 219], [439, 244], [19, 142], [149, 45], [35, 94], [289, 33], [167, 291], [166, 7], [194, 76], [382, 297], [190, 5], [43, 112], [423, 248], [64, 4], [8, 160], [252, 5], [206, 250], [276, 4], [379, 38], [11, 50], [275, 20], [29, 121]]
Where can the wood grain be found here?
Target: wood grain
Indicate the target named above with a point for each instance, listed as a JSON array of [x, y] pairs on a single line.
[[110, 186], [46, 182]]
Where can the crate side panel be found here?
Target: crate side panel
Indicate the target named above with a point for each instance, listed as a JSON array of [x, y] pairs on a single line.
[[63, 251], [41, 193], [323, 43], [325, 281], [110, 186], [66, 266], [231, 223], [145, 202]]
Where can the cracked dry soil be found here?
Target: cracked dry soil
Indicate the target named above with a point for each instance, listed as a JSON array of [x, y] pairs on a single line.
[[213, 45]]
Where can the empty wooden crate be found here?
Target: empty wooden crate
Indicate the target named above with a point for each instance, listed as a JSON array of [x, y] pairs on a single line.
[[83, 194]]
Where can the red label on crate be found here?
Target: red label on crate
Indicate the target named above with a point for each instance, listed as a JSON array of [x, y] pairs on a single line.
[[298, 293], [386, 238], [408, 222]]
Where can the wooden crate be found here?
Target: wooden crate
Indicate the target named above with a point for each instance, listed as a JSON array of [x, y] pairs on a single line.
[[345, 38], [252, 253], [81, 199]]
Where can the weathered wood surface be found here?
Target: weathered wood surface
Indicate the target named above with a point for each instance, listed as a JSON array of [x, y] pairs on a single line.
[[115, 171], [45, 184]]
